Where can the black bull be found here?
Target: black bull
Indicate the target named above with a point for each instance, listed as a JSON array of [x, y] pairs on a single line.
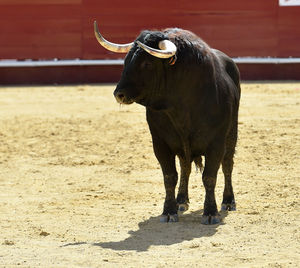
[[192, 102]]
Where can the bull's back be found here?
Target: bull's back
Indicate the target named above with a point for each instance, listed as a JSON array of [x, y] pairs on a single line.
[[230, 67]]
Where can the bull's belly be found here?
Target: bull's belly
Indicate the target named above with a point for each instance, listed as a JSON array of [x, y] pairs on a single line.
[[182, 142], [188, 148]]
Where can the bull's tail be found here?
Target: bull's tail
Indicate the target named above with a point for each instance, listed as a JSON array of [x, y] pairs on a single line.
[[199, 164]]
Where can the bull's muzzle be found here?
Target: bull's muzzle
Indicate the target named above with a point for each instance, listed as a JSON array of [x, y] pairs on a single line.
[[121, 97]]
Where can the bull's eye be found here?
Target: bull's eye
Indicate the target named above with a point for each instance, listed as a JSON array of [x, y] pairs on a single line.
[[146, 65]]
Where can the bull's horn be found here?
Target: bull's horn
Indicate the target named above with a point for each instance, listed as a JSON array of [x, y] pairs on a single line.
[[119, 48], [167, 49]]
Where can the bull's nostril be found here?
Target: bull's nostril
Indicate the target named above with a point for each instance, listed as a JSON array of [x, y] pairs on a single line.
[[121, 96]]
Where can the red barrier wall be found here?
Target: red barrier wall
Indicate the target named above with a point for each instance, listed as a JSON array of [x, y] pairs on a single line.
[[63, 29]]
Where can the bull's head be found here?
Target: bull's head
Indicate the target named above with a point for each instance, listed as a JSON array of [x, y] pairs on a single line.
[[143, 72]]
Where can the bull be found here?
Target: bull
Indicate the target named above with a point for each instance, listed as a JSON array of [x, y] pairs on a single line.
[[191, 93]]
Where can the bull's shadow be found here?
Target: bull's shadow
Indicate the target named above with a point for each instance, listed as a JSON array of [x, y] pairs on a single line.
[[152, 232]]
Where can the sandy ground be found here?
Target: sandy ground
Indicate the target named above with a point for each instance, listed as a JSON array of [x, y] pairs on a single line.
[[80, 186]]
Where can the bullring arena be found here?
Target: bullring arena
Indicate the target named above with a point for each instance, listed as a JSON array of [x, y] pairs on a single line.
[[80, 186]]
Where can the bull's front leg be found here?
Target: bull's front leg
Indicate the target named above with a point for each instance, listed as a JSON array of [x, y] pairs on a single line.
[[183, 193], [209, 178], [166, 160], [210, 214], [170, 206]]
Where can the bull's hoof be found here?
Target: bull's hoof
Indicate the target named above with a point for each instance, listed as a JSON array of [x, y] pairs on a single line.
[[169, 218], [183, 208], [228, 207], [208, 220], [173, 218], [164, 218]]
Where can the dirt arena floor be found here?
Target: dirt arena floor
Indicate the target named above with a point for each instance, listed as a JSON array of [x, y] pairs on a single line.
[[80, 186]]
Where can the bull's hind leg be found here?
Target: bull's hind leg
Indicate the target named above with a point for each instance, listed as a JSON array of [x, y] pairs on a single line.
[[183, 194], [228, 202], [227, 166]]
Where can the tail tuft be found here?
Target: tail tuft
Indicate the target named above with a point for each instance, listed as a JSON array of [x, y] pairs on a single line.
[[198, 163]]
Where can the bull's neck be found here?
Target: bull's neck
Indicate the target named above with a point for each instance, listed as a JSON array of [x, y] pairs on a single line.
[[180, 119]]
